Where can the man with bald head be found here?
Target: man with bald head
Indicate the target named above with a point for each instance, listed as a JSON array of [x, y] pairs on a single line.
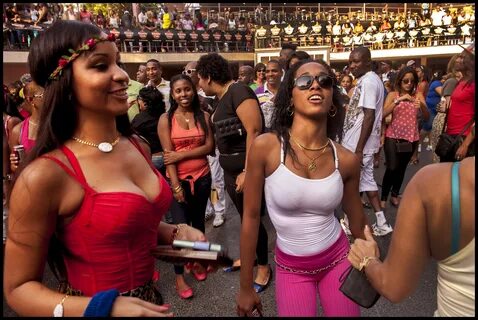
[[362, 127], [246, 75]]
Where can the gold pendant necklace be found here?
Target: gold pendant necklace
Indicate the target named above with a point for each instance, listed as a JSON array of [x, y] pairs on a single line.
[[103, 146], [312, 166]]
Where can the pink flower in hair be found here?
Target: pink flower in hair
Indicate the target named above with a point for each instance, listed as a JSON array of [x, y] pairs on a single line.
[[62, 62], [91, 42]]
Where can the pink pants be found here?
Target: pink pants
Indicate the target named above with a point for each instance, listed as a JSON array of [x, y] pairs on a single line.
[[296, 293]]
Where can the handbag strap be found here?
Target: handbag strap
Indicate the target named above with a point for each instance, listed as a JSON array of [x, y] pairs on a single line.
[[455, 207], [466, 126]]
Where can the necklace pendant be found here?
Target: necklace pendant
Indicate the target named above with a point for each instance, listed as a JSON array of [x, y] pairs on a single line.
[[105, 147], [312, 166]]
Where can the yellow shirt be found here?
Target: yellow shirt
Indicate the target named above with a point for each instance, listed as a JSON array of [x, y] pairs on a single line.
[[166, 20]]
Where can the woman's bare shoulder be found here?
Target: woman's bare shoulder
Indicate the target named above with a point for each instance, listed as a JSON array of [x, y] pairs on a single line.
[[43, 173]]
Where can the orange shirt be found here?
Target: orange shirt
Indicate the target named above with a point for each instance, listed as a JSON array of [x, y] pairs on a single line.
[[185, 140]]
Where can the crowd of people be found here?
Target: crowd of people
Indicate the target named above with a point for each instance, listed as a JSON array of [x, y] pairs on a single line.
[[442, 26], [131, 164]]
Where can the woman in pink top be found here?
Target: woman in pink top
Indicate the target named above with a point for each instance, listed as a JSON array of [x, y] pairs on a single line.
[[186, 136], [401, 136]]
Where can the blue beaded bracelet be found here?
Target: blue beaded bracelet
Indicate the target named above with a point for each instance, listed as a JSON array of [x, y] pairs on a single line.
[[101, 304]]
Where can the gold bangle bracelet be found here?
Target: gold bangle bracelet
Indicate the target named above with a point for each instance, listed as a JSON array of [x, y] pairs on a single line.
[[365, 262]]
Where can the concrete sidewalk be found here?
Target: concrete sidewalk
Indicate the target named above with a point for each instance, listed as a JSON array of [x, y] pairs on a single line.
[[216, 295]]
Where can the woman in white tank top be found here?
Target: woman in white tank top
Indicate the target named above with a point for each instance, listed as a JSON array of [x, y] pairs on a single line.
[[305, 176]]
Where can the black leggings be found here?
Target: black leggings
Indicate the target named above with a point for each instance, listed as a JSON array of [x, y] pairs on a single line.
[[397, 163], [192, 212], [238, 200]]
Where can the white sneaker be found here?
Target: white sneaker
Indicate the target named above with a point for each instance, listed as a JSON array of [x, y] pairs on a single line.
[[419, 148], [381, 230], [345, 226], [208, 216], [218, 220], [426, 139], [429, 147]]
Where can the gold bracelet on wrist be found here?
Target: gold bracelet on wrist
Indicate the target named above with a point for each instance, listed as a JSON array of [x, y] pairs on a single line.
[[177, 189], [365, 262], [176, 231]]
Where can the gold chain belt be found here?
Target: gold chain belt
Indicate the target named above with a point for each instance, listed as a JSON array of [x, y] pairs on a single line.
[[311, 271]]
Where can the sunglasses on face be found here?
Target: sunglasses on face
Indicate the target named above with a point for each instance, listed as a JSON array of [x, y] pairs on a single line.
[[189, 72], [304, 82], [407, 81], [261, 70]]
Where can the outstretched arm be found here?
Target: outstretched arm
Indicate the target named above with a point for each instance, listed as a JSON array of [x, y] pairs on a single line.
[[397, 276]]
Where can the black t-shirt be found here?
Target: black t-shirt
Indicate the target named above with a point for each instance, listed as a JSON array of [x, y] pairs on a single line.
[[146, 126], [226, 108]]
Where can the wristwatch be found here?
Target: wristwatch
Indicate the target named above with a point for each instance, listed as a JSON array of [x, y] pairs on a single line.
[[396, 101]]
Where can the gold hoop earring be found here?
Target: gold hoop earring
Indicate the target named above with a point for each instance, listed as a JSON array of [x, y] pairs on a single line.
[[290, 110], [334, 112]]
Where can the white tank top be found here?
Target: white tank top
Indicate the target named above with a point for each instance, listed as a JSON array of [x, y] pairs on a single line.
[[302, 210]]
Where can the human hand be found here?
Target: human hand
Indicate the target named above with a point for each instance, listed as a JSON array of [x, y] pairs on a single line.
[[461, 152], [416, 103], [246, 300], [359, 155], [171, 157], [135, 307], [179, 196], [240, 182], [363, 248], [406, 97], [14, 162]]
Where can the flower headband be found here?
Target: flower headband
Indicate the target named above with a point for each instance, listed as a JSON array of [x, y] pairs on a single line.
[[88, 45]]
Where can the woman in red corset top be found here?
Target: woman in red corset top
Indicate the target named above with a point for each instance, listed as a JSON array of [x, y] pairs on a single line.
[[186, 136], [88, 199]]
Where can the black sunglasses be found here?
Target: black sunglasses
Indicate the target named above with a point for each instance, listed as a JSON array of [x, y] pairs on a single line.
[[304, 82]]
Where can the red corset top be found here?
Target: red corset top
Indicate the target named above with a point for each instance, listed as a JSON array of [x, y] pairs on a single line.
[[107, 244]]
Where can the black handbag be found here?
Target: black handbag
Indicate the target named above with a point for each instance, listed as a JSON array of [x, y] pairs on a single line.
[[229, 127], [447, 144], [404, 146], [357, 288]]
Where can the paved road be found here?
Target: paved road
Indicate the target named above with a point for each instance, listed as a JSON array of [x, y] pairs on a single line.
[[216, 295]]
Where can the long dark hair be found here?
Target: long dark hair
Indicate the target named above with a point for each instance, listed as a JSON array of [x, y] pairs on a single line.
[[401, 74], [282, 118], [59, 117], [195, 105]]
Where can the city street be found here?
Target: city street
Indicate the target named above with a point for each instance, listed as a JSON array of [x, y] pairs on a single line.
[[216, 295]]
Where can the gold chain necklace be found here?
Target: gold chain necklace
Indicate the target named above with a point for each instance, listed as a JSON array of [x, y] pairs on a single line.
[[103, 146], [304, 147], [184, 117], [312, 166]]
